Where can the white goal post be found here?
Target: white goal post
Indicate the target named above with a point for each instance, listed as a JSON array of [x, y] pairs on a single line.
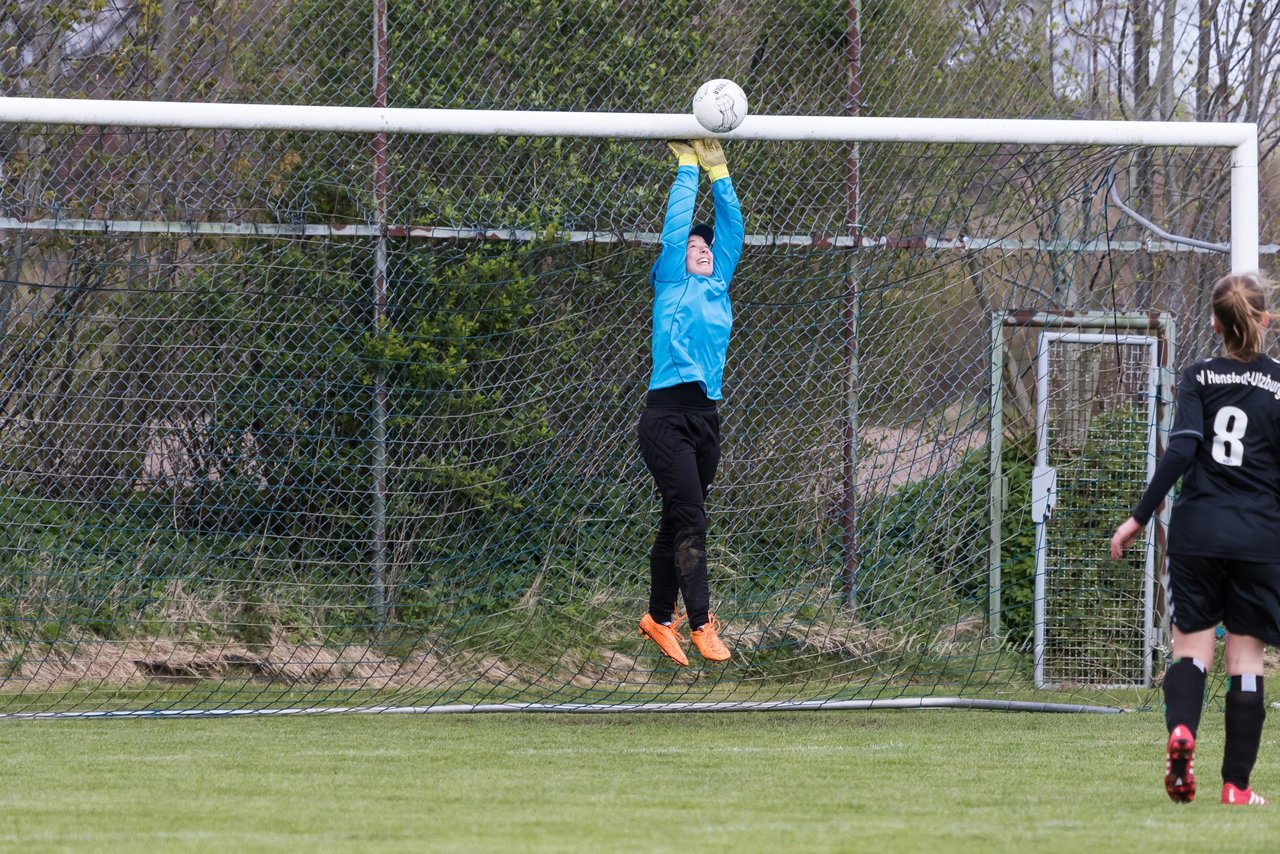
[[1241, 138]]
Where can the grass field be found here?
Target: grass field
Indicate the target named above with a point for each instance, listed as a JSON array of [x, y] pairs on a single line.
[[831, 781]]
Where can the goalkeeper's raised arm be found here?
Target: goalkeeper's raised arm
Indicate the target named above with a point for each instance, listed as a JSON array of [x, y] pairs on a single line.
[[729, 231], [679, 430]]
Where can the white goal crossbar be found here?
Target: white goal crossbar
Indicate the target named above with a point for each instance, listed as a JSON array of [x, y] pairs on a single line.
[[1241, 138]]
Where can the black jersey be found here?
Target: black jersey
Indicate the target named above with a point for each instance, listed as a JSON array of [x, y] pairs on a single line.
[[1230, 500]]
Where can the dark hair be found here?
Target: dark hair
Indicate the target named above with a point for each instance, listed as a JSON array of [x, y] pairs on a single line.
[[704, 231], [1239, 304]]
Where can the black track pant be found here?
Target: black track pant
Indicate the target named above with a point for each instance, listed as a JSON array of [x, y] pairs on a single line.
[[680, 439]]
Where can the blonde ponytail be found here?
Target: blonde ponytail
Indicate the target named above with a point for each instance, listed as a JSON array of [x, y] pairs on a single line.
[[1240, 304]]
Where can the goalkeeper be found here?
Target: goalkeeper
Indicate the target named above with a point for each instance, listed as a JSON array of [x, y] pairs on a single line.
[[679, 430]]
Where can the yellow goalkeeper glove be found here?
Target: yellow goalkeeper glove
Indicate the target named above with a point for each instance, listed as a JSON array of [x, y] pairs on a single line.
[[683, 151], [711, 156]]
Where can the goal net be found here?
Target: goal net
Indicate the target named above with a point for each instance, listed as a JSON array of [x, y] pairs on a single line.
[[318, 416]]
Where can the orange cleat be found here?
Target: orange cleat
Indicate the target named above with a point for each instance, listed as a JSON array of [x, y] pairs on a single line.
[[1243, 797], [1180, 766], [707, 640], [666, 637]]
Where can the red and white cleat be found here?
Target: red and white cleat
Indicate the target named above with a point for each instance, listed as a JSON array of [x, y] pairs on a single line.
[[1245, 797], [1180, 766]]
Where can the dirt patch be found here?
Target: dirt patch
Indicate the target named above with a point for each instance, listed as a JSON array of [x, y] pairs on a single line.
[[609, 669], [893, 456], [845, 639], [90, 663]]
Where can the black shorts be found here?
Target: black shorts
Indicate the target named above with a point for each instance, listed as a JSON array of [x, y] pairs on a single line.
[[1243, 596]]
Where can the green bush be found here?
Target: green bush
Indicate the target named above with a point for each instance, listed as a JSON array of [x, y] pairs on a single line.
[[1106, 462]]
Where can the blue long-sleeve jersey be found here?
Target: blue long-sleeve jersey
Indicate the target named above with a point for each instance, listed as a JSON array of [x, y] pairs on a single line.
[[692, 315]]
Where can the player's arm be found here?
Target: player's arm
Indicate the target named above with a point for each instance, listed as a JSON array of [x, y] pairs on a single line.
[[1177, 458], [670, 265], [1184, 441], [726, 249]]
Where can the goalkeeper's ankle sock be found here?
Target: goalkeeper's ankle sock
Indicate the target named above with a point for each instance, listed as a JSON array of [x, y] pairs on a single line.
[[1180, 765], [1184, 694], [1244, 717]]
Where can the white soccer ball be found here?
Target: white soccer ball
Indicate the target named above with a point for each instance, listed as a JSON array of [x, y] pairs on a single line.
[[720, 105]]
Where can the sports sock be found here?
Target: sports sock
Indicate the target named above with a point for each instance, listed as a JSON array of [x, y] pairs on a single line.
[[1245, 713], [1184, 694]]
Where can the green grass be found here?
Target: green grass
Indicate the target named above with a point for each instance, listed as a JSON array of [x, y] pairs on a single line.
[[948, 781]]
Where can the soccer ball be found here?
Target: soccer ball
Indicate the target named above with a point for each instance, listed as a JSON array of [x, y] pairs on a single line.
[[720, 105]]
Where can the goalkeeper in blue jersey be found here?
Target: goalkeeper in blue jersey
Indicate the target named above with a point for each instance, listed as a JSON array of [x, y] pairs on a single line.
[[679, 430]]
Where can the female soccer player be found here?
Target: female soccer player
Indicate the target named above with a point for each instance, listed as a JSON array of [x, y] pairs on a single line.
[[1224, 536], [679, 430]]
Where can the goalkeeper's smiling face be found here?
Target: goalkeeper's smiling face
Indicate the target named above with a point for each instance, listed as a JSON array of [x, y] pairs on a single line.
[[697, 256]]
